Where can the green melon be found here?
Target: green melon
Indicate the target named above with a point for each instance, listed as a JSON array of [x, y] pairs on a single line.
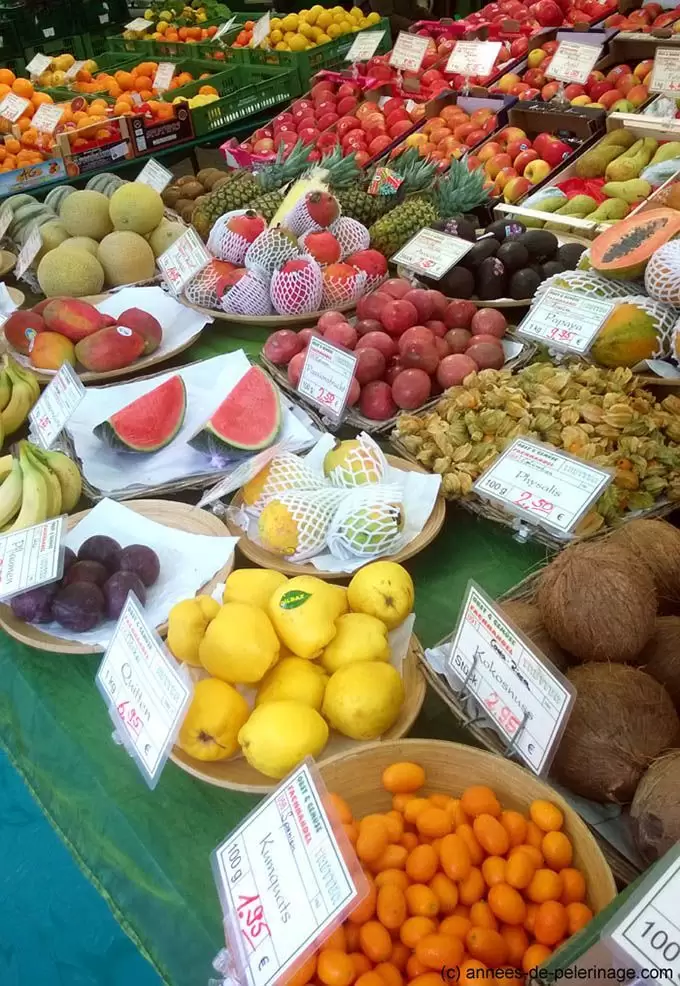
[[247, 420], [149, 423]]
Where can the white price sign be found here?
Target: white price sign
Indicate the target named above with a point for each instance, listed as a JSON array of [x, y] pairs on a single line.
[[261, 30], [666, 70], [47, 117], [104, 18], [432, 253], [364, 46], [31, 557], [183, 260], [163, 76], [409, 51], [73, 71], [56, 404], [28, 253], [224, 28], [146, 691], [327, 375], [650, 933], [139, 24], [13, 106], [473, 57], [526, 698], [282, 881], [38, 64], [554, 321], [155, 175], [6, 217], [543, 485], [573, 62]]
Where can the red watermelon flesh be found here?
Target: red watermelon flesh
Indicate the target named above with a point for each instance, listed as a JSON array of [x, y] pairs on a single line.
[[148, 423], [247, 420]]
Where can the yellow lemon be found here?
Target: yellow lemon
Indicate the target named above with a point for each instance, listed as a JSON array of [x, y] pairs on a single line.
[[373, 17], [306, 30], [281, 46], [298, 43], [334, 30], [275, 36], [345, 26], [162, 27], [338, 11], [318, 33], [356, 14], [303, 14], [316, 11], [288, 36], [323, 39], [274, 23], [148, 14], [290, 22], [324, 19], [211, 726]]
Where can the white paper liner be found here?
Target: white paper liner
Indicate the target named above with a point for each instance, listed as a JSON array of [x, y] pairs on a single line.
[[206, 384], [368, 523], [365, 463], [187, 562]]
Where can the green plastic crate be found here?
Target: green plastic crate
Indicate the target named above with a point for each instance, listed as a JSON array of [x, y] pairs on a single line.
[[178, 49], [10, 46], [102, 15], [37, 25], [244, 90], [74, 44]]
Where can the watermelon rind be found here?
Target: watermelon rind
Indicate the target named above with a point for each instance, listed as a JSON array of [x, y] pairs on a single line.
[[159, 412], [247, 421]]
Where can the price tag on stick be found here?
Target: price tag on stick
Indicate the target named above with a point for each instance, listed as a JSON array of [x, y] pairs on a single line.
[[284, 881], [73, 71], [13, 106], [409, 51], [47, 117], [261, 30], [155, 175], [38, 64], [542, 485], [31, 557], [555, 322], [432, 253], [56, 404], [163, 76], [183, 260], [28, 253], [139, 24], [666, 70], [364, 46], [523, 694], [470, 58], [573, 62], [327, 376], [146, 691]]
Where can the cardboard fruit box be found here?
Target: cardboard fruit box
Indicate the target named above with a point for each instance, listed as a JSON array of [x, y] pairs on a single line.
[[96, 147], [149, 136]]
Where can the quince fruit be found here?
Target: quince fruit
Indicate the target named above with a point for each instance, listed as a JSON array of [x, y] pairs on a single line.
[[359, 637], [187, 623], [211, 726], [296, 680], [304, 611], [383, 589], [278, 735], [363, 700], [252, 585], [240, 644]]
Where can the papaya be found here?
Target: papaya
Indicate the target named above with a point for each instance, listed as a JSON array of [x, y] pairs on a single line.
[[623, 250], [628, 336]]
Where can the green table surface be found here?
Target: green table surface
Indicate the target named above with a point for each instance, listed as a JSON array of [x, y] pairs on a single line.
[[148, 852]]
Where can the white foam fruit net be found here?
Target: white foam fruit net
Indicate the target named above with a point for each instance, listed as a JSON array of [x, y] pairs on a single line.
[[365, 463], [201, 289], [662, 274], [298, 291], [249, 296], [311, 512], [342, 290], [271, 250], [585, 282], [351, 235], [665, 319], [226, 245], [299, 221], [368, 523], [286, 472]]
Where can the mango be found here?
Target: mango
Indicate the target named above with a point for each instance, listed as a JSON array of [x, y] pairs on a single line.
[[50, 350], [73, 318], [148, 327], [629, 191], [21, 329], [111, 348]]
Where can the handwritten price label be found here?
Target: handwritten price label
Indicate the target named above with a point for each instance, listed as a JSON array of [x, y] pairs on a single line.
[[573, 62], [524, 695], [470, 58], [327, 376], [183, 260], [555, 322], [666, 70], [38, 64], [155, 175], [282, 881], [364, 46], [432, 253], [31, 557], [163, 76], [13, 106], [147, 693], [543, 485], [409, 51], [47, 117], [56, 404], [28, 253]]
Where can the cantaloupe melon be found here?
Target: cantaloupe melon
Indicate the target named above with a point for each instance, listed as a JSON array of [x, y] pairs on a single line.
[[126, 258], [86, 213], [164, 235], [84, 243], [70, 272], [136, 208]]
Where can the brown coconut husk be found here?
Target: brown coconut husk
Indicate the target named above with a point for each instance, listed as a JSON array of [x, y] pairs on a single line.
[[527, 618], [621, 721], [661, 656], [598, 601], [657, 544], [655, 812]]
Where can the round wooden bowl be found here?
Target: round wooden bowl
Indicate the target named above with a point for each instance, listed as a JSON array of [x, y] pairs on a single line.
[[450, 768], [7, 262], [267, 559], [237, 774], [180, 516], [271, 322]]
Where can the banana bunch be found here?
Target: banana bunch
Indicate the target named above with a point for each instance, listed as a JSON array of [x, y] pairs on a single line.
[[36, 486], [19, 390]]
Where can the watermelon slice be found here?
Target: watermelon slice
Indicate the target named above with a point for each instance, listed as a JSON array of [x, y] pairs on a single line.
[[247, 420], [149, 423]]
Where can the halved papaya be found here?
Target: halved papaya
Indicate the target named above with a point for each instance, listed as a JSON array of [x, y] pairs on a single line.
[[624, 249]]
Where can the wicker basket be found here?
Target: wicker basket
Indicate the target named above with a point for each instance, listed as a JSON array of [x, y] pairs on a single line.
[[356, 776]]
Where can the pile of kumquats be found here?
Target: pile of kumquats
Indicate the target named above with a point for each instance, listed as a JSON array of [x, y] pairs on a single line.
[[455, 883]]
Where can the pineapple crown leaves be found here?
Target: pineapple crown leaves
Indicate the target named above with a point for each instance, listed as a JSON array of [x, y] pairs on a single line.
[[280, 171], [337, 170], [417, 172], [460, 190]]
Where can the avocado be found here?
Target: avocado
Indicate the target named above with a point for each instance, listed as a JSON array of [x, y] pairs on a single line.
[[513, 254], [569, 254], [481, 251], [459, 282], [523, 284], [459, 226], [506, 229], [541, 244], [491, 279], [551, 267]]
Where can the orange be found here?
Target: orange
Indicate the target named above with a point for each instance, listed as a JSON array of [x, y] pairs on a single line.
[[334, 968], [397, 878], [545, 885], [480, 800], [4, 89], [456, 926], [466, 833], [455, 857], [143, 82], [22, 87], [38, 98], [366, 909], [13, 146], [183, 79], [436, 951], [573, 884], [445, 891], [422, 862], [30, 137], [391, 907], [551, 923], [488, 946], [3, 153], [415, 928], [361, 963], [557, 850], [515, 825], [507, 904], [375, 941], [578, 916], [534, 956], [23, 123], [482, 916], [421, 901], [491, 835], [519, 870], [472, 888], [390, 975], [208, 91], [517, 941], [546, 815], [7, 77], [493, 870]]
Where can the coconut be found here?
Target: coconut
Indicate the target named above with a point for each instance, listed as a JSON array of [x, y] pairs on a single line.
[[657, 544], [655, 812], [597, 600], [527, 618], [661, 656], [622, 719]]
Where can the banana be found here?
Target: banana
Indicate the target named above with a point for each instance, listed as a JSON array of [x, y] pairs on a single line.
[[68, 474], [5, 389], [35, 497], [6, 462], [11, 494], [21, 402], [23, 373], [53, 484]]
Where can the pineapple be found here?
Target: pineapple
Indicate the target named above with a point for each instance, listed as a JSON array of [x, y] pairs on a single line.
[[458, 191]]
